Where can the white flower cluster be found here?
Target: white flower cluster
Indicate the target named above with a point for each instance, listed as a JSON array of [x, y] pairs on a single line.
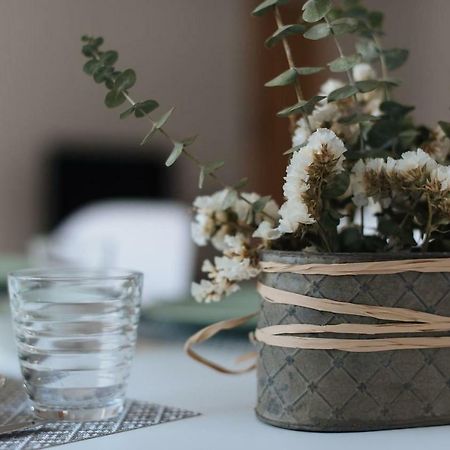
[[328, 114], [322, 143], [229, 223], [414, 170], [223, 214]]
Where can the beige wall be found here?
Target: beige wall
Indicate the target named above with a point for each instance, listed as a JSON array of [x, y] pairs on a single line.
[[422, 26], [196, 54], [191, 54]]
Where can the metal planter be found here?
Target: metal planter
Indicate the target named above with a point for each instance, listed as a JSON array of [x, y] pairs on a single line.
[[331, 390]]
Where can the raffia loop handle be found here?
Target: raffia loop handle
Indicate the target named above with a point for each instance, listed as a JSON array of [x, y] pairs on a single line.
[[401, 320], [210, 331]]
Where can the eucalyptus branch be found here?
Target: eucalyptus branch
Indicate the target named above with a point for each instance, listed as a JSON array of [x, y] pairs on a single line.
[[350, 79], [384, 69], [290, 60], [107, 73]]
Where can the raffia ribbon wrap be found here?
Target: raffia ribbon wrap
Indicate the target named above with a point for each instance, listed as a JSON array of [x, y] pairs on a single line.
[[399, 320]]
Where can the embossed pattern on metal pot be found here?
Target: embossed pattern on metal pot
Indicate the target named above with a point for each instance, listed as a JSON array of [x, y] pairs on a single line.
[[332, 390]]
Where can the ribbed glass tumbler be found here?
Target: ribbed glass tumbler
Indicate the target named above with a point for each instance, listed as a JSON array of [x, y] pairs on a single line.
[[75, 334]]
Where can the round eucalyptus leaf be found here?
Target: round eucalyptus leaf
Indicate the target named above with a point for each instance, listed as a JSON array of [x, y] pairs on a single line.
[[314, 10], [114, 99], [125, 80], [109, 58], [283, 32], [344, 63], [342, 93], [266, 6], [284, 79], [316, 32]]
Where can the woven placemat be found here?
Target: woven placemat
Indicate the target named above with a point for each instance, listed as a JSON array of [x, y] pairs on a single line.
[[137, 414]]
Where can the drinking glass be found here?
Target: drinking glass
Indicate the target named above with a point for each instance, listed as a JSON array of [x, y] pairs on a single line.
[[75, 332]]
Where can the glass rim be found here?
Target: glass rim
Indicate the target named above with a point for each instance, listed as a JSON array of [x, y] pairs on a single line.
[[74, 274]]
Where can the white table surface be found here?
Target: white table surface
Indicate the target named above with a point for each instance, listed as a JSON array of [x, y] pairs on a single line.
[[163, 374]]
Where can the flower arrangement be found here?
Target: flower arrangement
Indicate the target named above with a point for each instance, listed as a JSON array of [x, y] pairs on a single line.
[[361, 175]]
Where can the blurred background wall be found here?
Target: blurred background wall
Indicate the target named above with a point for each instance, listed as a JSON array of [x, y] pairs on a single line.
[[204, 56]]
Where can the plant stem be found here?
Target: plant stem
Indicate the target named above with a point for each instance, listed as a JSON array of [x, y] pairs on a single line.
[[384, 69], [429, 228], [290, 60], [189, 155], [350, 80], [323, 236], [362, 220]]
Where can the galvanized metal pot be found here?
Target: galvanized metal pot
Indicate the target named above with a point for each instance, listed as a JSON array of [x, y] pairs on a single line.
[[331, 390]]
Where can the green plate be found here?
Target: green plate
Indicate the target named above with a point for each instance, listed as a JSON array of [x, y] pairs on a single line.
[[188, 312]]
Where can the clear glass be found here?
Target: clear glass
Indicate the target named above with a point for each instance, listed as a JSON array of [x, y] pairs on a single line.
[[75, 334]]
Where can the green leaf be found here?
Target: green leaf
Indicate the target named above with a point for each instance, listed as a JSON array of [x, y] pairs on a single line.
[[149, 135], [91, 66], [315, 10], [283, 32], [357, 118], [316, 32], [125, 80], [445, 127], [350, 239], [88, 50], [164, 118], [284, 79], [175, 153], [212, 167], [109, 58], [308, 70], [207, 170], [395, 110], [114, 99], [230, 199], [189, 140], [344, 63], [357, 11], [367, 49], [240, 184], [344, 25], [367, 85], [375, 19], [305, 107], [201, 178], [265, 6], [141, 109], [342, 93], [383, 133], [128, 112], [260, 204], [337, 186], [408, 137], [395, 57], [294, 149], [102, 74]]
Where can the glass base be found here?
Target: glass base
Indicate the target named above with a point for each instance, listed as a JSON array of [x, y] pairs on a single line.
[[79, 415]]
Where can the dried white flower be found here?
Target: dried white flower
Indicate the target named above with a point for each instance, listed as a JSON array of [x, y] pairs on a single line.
[[208, 291], [330, 85], [363, 72], [301, 133], [358, 184], [441, 176], [323, 143], [266, 231], [414, 160]]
